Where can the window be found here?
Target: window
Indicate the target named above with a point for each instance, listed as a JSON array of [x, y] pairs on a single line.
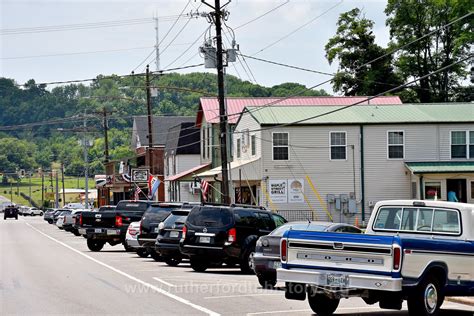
[[409, 219], [425, 217], [389, 218], [462, 144], [204, 141], [253, 145], [446, 221], [395, 143], [432, 190], [338, 145], [280, 146], [472, 189], [174, 164], [238, 148], [266, 222], [245, 218], [209, 141]]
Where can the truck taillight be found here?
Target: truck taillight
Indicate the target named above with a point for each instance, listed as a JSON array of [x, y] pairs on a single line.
[[140, 228], [118, 221], [185, 229], [283, 249], [80, 220], [397, 257], [231, 235]]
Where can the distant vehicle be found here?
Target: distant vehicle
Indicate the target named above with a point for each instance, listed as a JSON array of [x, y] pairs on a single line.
[[49, 215], [10, 211], [213, 235], [60, 220], [131, 239], [150, 221], [267, 251], [111, 226], [32, 211], [77, 206], [69, 220], [169, 235], [56, 215]]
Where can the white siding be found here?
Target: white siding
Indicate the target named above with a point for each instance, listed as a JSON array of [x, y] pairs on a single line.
[[247, 122]]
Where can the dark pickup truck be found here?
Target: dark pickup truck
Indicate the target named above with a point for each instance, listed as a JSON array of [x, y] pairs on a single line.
[[111, 226]]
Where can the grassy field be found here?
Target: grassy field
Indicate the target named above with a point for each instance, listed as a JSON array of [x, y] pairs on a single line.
[[24, 186]]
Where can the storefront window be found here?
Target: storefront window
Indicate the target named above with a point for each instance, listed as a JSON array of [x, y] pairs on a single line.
[[432, 190]]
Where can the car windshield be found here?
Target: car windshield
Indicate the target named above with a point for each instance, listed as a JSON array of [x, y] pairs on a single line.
[[298, 226], [176, 217], [159, 212], [132, 206], [210, 217]]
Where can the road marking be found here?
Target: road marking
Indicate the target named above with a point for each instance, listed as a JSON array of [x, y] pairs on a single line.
[[164, 282], [151, 286], [231, 296]]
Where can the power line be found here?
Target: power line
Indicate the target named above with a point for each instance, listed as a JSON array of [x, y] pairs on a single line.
[[262, 15], [188, 48], [298, 28]]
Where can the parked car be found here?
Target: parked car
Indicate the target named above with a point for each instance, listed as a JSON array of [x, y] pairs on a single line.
[[216, 234], [60, 220], [169, 235], [419, 251], [49, 215], [69, 220], [150, 221], [32, 211], [56, 215], [267, 251], [10, 211], [131, 239], [111, 226]]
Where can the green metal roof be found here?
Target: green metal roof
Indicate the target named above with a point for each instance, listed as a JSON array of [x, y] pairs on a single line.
[[441, 167], [364, 114]]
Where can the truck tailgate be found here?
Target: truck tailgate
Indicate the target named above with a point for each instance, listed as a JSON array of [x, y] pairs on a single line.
[[95, 219], [341, 252]]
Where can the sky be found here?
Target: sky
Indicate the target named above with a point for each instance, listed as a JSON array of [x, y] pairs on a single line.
[[80, 53]]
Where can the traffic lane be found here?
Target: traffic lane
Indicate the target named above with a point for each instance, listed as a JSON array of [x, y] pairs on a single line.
[[40, 276], [225, 291]]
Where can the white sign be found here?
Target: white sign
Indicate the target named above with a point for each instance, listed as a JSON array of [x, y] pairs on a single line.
[[296, 190], [139, 175], [278, 191]]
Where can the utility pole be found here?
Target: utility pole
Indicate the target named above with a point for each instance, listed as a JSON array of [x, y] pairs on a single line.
[[42, 189], [86, 164], [56, 200], [150, 120], [29, 191], [157, 42], [62, 179], [106, 137]]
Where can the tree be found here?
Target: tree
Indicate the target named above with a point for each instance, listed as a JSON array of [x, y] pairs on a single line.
[[353, 47], [410, 21], [16, 154]]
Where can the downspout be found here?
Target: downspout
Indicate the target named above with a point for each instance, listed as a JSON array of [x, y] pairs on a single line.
[[362, 182], [422, 197]]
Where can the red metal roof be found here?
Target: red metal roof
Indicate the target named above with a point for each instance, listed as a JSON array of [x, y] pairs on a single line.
[[186, 172], [210, 106]]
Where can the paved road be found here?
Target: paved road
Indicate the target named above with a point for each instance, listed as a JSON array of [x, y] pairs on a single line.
[[48, 271]]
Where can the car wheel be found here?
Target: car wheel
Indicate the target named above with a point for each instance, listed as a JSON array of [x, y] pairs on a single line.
[[266, 282], [173, 261], [143, 253], [198, 265], [127, 247], [427, 298], [322, 305], [76, 233], [246, 262], [156, 256], [95, 245], [41, 214]]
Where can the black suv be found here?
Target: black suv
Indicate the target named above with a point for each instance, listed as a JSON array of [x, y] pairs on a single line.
[[151, 220], [214, 234], [10, 211], [169, 235]]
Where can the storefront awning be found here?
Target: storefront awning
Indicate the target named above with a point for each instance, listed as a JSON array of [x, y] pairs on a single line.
[[250, 170], [187, 172], [441, 167]]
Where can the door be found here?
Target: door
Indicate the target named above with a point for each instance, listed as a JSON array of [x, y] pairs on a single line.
[[459, 187]]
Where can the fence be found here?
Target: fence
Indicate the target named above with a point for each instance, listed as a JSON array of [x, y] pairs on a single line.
[[297, 215]]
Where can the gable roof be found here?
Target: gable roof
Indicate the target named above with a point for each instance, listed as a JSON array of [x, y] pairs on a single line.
[[379, 114], [183, 139], [209, 106], [161, 125]]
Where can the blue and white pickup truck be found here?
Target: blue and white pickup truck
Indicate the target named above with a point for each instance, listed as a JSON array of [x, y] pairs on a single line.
[[419, 251]]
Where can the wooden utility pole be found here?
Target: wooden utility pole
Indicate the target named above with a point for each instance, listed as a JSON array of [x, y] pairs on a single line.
[[150, 119], [62, 179]]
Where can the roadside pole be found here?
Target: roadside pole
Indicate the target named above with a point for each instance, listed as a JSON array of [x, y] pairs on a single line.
[[62, 178], [56, 200], [42, 189], [31, 199]]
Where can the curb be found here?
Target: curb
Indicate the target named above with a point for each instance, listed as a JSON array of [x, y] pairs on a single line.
[[461, 300]]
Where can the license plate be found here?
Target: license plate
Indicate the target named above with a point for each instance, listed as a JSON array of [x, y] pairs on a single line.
[[82, 231], [276, 264], [111, 232], [176, 234], [205, 240], [337, 280], [98, 230]]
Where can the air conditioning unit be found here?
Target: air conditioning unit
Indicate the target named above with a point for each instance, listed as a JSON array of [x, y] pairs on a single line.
[[194, 188]]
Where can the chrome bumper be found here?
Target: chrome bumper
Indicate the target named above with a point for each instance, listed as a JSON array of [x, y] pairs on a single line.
[[355, 280]]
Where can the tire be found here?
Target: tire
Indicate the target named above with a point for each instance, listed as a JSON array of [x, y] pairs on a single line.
[[266, 282], [322, 305], [142, 253], [426, 299], [16, 217], [198, 264], [127, 247], [156, 256], [41, 214], [246, 262], [173, 261], [95, 245], [76, 233]]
